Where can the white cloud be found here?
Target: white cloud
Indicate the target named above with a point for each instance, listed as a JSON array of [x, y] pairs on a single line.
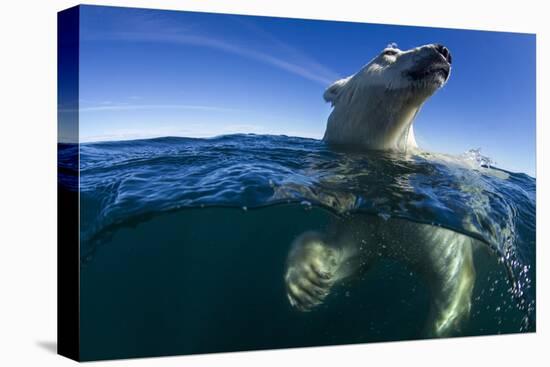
[[294, 61], [130, 107]]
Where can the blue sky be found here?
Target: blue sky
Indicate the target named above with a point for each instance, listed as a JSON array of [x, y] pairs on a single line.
[[148, 73]]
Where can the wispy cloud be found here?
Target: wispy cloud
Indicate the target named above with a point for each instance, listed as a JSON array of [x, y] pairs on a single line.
[[297, 55], [128, 107], [280, 55]]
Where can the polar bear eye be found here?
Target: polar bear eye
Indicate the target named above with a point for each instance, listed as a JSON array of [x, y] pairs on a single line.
[[390, 52]]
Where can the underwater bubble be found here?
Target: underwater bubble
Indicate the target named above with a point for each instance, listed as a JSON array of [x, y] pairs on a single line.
[[306, 204]]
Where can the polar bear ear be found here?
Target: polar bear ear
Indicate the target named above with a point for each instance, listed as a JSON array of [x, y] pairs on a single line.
[[332, 92]]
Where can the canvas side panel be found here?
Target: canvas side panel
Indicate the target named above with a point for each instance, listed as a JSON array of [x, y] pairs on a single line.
[[68, 263]]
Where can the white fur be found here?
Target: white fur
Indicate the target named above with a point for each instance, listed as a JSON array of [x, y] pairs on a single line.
[[375, 108]]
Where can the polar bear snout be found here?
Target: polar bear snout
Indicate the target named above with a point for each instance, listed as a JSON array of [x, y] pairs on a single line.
[[432, 65], [444, 51], [442, 67]]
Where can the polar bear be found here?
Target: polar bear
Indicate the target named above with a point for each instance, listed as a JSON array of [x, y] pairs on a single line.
[[375, 109]]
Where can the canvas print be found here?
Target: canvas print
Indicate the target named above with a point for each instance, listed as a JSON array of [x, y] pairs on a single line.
[[232, 183]]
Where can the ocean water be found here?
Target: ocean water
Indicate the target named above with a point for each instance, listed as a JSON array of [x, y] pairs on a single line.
[[184, 242]]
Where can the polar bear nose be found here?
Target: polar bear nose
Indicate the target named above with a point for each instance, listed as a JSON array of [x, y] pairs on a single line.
[[444, 51]]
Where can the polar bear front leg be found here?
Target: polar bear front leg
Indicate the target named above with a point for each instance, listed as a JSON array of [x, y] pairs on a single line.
[[452, 286], [313, 267]]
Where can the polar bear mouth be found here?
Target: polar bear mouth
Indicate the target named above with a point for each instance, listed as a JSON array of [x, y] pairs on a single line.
[[444, 71], [437, 72]]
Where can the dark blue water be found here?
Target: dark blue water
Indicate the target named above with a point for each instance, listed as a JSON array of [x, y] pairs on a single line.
[[184, 241]]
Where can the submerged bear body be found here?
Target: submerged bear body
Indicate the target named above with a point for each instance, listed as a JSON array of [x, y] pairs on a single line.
[[440, 257]]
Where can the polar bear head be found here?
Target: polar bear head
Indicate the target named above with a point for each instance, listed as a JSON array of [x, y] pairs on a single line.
[[375, 107]]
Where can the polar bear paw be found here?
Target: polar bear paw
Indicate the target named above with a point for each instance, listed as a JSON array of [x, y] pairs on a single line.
[[312, 269]]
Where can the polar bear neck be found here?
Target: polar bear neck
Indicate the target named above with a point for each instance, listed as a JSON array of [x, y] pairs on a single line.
[[372, 117]]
